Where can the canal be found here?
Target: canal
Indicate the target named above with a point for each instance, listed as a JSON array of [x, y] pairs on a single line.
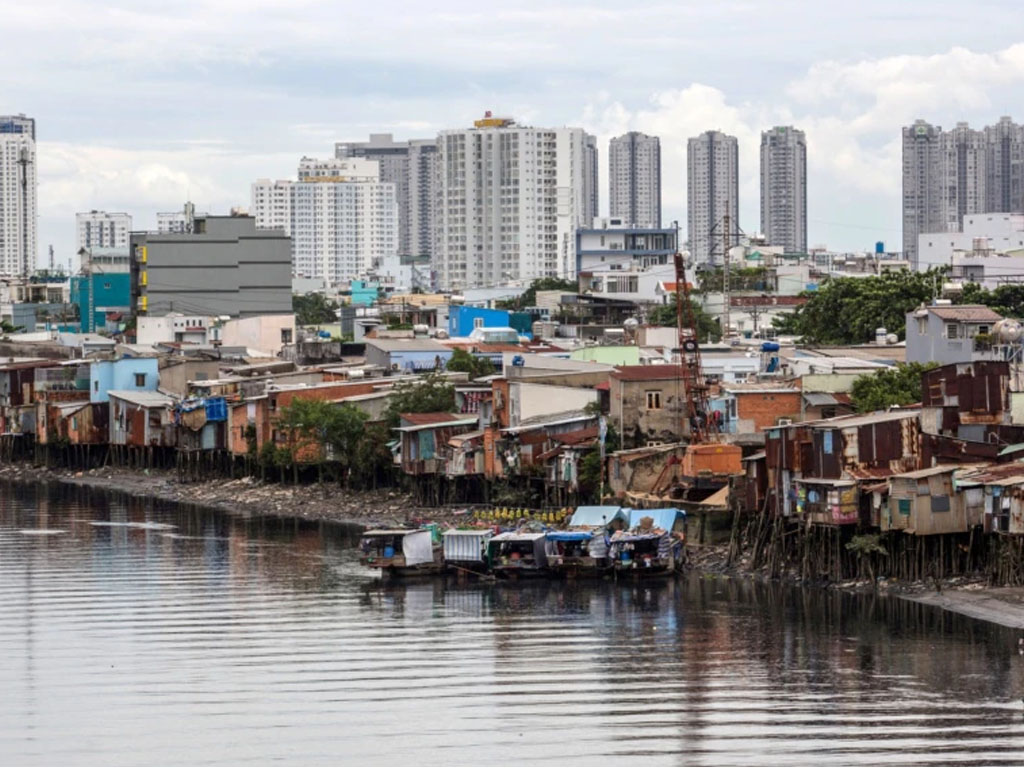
[[137, 633]]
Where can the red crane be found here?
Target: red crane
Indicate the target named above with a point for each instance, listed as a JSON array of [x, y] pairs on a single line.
[[703, 427]]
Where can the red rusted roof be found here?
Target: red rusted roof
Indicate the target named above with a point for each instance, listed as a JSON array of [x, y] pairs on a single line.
[[438, 417], [647, 372], [576, 436]]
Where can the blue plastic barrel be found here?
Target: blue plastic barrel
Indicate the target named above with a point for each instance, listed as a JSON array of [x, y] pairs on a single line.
[[389, 551]]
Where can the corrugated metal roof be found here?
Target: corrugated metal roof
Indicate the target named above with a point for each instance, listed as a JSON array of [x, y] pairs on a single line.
[[145, 399], [941, 469], [967, 312], [647, 372], [817, 399], [434, 417]]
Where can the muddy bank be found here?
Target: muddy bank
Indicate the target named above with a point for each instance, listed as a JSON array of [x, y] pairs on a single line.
[[249, 497], [999, 605]]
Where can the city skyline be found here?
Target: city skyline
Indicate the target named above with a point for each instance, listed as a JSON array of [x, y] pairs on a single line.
[[202, 125]]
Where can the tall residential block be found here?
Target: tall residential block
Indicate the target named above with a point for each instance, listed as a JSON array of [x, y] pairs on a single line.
[[101, 229], [591, 188], [948, 175], [510, 200], [634, 179], [412, 167], [222, 265], [342, 220], [712, 191], [784, 188], [18, 202]]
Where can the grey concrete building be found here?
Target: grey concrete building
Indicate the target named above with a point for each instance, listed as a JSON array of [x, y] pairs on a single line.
[[712, 189], [591, 190], [922, 184], [1004, 159], [784, 188], [634, 179], [946, 334], [223, 266], [412, 167]]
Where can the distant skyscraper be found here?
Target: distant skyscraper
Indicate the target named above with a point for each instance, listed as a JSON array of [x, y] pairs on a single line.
[[510, 200], [634, 179], [784, 188], [951, 174], [100, 229], [712, 190], [342, 219], [923, 184], [18, 208], [412, 167]]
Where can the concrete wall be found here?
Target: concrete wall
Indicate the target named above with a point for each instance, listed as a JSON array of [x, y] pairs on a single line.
[[609, 355], [264, 332], [175, 378], [638, 424], [105, 375], [532, 400]]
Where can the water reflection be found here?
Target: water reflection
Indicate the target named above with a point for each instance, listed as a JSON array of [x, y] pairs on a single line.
[[263, 640]]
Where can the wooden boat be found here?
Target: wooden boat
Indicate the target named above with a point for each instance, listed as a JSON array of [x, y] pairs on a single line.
[[582, 550], [401, 552], [518, 553], [652, 545]]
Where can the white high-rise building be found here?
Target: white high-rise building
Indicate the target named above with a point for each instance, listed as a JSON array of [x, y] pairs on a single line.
[[634, 179], [178, 222], [784, 188], [948, 175], [342, 220], [18, 206], [712, 191], [412, 167], [510, 199], [101, 229]]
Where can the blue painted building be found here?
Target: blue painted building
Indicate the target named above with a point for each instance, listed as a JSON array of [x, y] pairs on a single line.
[[133, 374], [105, 292], [364, 293], [462, 320]]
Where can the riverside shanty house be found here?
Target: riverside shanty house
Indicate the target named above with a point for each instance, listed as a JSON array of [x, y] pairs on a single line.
[[142, 428], [424, 440], [817, 470]]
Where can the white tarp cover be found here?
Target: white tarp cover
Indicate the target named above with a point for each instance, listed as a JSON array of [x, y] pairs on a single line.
[[418, 548], [465, 545]]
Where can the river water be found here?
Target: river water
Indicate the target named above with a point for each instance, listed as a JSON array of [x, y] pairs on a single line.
[[137, 633]]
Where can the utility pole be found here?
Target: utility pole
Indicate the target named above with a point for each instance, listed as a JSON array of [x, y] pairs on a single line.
[[726, 292]]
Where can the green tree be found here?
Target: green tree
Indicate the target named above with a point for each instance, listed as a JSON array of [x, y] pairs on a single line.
[[529, 296], [314, 309], [429, 394], [847, 310], [466, 362], [707, 327], [1006, 299], [899, 385]]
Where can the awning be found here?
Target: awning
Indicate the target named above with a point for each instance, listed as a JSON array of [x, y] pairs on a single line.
[[817, 399]]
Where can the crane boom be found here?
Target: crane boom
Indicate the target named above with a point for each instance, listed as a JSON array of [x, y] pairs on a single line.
[[702, 428]]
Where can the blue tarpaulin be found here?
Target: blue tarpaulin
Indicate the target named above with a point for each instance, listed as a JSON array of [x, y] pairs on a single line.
[[663, 518], [216, 409], [569, 535], [596, 515]]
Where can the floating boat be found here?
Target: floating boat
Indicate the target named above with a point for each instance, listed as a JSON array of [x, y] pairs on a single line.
[[465, 550], [582, 550], [518, 553], [652, 545], [401, 551]]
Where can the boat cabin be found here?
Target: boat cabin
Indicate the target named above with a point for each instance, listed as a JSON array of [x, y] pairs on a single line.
[[467, 549], [584, 547], [518, 552], [653, 543], [400, 551]]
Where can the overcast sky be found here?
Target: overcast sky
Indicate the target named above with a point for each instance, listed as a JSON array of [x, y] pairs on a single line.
[[143, 105]]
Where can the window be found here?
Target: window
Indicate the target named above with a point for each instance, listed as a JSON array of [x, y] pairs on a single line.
[[653, 399], [286, 335], [140, 379], [952, 330], [96, 386]]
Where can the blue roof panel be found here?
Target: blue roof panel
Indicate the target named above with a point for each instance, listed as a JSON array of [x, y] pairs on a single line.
[[597, 515], [570, 536], [663, 518]]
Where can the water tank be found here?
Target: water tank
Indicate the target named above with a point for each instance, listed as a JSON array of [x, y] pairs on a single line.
[[357, 373], [631, 323], [879, 247], [1008, 331], [441, 333], [880, 334], [420, 329], [892, 338]]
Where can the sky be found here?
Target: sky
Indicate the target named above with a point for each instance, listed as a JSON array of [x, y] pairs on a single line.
[[140, 106]]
